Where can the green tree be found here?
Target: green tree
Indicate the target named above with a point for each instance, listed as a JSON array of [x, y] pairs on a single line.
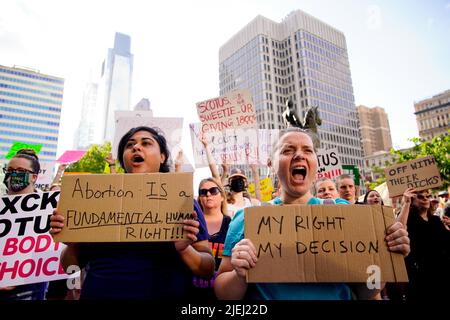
[[94, 160], [438, 147]]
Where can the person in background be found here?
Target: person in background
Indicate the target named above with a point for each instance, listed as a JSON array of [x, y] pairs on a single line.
[[326, 189], [346, 188], [296, 166], [429, 260], [145, 270], [21, 174], [372, 197], [212, 200], [238, 196]]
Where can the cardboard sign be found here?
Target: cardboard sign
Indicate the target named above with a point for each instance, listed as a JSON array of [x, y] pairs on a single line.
[[125, 207], [16, 146], [28, 252], [232, 111], [266, 187], [322, 243], [70, 156], [420, 174], [232, 146], [329, 164], [170, 127]]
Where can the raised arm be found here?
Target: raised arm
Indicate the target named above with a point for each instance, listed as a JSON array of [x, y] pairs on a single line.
[[255, 174], [406, 203], [111, 163], [179, 161], [212, 163]]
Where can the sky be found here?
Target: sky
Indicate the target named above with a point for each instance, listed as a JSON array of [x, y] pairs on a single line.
[[399, 50]]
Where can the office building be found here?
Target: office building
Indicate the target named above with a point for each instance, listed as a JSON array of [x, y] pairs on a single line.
[[302, 59]]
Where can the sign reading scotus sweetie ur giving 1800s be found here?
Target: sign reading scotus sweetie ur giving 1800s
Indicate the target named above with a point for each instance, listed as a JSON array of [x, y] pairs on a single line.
[[322, 243], [125, 207], [232, 111]]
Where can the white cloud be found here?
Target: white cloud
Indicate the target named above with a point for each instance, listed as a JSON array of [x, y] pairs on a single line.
[[374, 19]]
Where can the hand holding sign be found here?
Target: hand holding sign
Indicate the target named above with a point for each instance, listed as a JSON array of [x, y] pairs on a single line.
[[191, 226]]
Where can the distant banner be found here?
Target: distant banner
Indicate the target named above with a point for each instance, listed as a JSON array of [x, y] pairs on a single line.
[[70, 156], [329, 164], [266, 187], [45, 176], [231, 146], [232, 111], [28, 252]]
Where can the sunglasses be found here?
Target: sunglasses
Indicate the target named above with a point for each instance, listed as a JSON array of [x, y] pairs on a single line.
[[422, 197], [212, 191]]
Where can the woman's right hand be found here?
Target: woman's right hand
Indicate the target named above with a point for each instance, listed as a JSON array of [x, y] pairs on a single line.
[[56, 222], [408, 195], [243, 257]]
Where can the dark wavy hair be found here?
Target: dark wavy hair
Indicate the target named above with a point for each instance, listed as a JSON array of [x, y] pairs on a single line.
[[157, 135], [30, 155], [367, 195]]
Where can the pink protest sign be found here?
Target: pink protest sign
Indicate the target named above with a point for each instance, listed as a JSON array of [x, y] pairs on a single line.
[[71, 156]]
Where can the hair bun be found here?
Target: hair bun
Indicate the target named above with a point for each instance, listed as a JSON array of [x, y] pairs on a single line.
[[29, 152]]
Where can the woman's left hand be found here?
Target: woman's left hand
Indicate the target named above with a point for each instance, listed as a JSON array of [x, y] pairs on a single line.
[[397, 239], [191, 226]]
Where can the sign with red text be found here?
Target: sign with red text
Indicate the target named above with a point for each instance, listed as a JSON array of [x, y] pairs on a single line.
[[28, 252], [125, 207], [171, 128], [421, 174], [322, 243], [230, 146], [329, 164], [232, 111]]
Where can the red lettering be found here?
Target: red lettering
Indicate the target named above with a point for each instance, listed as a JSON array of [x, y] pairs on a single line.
[[45, 269], [43, 242], [22, 244], [22, 272], [4, 269], [10, 246]]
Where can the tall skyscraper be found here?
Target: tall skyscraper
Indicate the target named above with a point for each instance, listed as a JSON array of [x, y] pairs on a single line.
[[433, 115], [374, 129], [303, 59], [86, 129], [114, 91], [30, 110]]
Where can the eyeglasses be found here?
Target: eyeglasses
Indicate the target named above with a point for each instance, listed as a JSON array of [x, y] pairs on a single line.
[[212, 191], [422, 197], [20, 170]]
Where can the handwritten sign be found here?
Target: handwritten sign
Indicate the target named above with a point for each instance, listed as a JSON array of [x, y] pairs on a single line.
[[16, 146], [232, 146], [321, 243], [420, 174], [70, 156], [266, 187], [125, 207], [232, 111], [28, 252], [171, 128], [329, 164]]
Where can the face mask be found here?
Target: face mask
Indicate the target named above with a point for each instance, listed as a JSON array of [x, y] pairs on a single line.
[[237, 185], [17, 181]]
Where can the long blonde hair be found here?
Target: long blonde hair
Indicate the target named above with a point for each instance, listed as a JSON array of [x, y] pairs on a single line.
[[223, 205]]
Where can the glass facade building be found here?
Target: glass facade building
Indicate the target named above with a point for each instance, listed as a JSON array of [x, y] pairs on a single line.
[[302, 59], [30, 110], [114, 90]]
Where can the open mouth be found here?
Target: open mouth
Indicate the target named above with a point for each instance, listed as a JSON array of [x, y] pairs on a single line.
[[299, 172], [137, 159]]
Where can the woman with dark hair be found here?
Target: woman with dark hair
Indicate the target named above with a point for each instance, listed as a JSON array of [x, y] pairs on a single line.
[[21, 174], [142, 270], [429, 260], [212, 200], [295, 162], [373, 197]]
